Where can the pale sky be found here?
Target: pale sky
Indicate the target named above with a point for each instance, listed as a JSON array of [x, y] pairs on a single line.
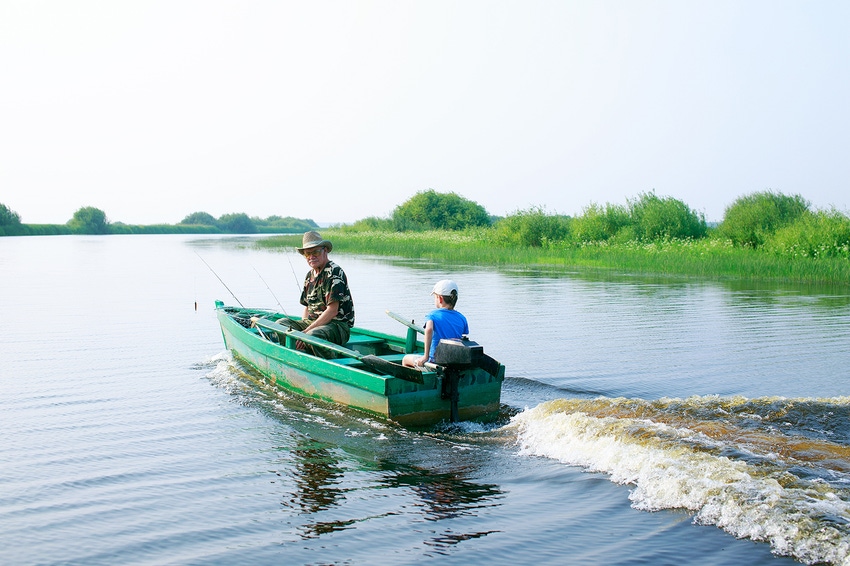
[[336, 111]]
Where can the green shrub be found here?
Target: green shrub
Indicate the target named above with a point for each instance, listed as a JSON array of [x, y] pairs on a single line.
[[369, 224], [10, 223], [599, 224], [89, 220], [656, 218], [430, 210], [283, 225], [8, 217], [200, 218], [818, 234], [532, 227], [752, 219], [237, 223]]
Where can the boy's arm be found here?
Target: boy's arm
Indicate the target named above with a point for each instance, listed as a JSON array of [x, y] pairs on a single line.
[[429, 335]]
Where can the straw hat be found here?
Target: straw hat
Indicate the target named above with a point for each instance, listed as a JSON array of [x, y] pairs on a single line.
[[313, 239]]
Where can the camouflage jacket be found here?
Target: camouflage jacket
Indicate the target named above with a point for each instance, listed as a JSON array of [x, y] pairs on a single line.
[[329, 285]]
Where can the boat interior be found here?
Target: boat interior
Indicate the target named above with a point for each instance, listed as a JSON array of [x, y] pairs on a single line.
[[273, 327]]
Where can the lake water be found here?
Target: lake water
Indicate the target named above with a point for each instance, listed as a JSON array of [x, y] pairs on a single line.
[[646, 421]]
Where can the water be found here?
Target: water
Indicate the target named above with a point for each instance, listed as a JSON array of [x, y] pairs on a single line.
[[646, 421]]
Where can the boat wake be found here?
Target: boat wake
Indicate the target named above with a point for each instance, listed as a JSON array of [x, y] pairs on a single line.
[[774, 470]]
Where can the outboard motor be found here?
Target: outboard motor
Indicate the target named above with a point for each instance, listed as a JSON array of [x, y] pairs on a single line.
[[454, 355]]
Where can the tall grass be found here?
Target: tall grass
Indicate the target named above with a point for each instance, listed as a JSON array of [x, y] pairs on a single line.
[[712, 257]]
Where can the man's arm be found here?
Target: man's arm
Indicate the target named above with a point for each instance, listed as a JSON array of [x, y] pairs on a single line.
[[324, 318]]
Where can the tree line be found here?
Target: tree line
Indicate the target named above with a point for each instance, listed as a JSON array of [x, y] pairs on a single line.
[[91, 220], [783, 224]]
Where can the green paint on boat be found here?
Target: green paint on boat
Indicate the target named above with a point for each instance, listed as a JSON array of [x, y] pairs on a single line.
[[353, 378]]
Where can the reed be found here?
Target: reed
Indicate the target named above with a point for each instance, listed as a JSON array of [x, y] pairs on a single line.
[[713, 257]]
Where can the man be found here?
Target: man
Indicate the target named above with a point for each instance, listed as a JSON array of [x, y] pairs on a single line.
[[328, 307]]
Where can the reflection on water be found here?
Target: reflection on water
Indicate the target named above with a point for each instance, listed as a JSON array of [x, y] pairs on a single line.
[[322, 481], [441, 495], [317, 476]]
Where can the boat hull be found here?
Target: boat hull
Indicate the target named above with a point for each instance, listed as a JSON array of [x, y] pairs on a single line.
[[341, 381]]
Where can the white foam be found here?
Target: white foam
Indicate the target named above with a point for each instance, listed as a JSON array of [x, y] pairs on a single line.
[[673, 468]]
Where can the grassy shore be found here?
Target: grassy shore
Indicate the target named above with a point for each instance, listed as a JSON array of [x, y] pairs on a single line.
[[710, 258]]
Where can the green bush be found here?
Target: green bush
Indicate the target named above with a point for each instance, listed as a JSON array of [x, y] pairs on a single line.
[[200, 218], [818, 234], [430, 210], [89, 220], [655, 218], [8, 217], [289, 223], [752, 219], [532, 227], [370, 224], [648, 218], [599, 224], [237, 223], [10, 222], [240, 223], [283, 225]]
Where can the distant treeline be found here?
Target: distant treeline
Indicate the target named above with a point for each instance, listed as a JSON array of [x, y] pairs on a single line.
[[784, 225], [91, 220]]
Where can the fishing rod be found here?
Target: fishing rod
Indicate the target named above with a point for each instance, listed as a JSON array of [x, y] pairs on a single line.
[[297, 283], [270, 290], [219, 278]]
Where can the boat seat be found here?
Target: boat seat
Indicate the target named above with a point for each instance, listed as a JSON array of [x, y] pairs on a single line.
[[354, 361], [366, 344], [345, 361], [359, 339]]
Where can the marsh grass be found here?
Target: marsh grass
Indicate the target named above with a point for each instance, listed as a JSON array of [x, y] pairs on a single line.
[[711, 258]]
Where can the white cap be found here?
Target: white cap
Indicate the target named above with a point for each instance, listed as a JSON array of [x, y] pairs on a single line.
[[444, 287]]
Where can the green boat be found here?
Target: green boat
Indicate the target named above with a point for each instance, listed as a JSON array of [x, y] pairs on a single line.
[[366, 374]]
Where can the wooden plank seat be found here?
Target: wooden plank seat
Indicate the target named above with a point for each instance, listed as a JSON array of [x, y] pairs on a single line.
[[366, 344], [354, 340], [349, 354], [396, 358], [361, 339], [346, 361]]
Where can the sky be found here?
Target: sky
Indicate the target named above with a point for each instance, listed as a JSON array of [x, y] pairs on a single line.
[[336, 111]]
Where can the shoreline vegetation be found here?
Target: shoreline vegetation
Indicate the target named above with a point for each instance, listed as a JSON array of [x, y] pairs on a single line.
[[764, 236], [711, 258]]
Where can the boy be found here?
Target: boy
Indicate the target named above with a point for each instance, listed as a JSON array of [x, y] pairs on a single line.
[[442, 322]]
